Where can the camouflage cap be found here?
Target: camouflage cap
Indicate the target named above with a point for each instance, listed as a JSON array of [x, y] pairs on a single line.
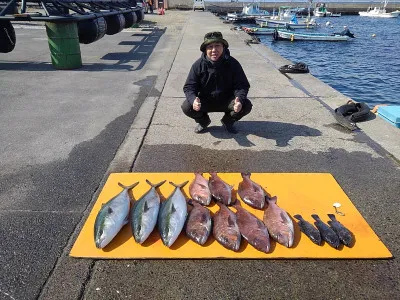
[[213, 37]]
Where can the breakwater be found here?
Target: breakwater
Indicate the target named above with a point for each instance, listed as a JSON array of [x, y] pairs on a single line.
[[346, 8]]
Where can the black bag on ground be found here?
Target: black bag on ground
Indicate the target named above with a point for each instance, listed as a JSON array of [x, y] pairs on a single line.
[[7, 36], [355, 112], [299, 67]]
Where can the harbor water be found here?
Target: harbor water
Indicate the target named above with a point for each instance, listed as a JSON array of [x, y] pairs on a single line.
[[365, 69]]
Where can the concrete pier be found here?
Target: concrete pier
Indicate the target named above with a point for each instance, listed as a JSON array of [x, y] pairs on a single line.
[[64, 132]]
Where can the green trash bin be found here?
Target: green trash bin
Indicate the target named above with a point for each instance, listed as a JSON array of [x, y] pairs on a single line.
[[64, 45]]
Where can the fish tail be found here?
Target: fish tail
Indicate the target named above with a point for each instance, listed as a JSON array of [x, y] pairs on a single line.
[[245, 174], [271, 199], [129, 186], [332, 217], [236, 203], [315, 217], [298, 217], [179, 185], [155, 185]]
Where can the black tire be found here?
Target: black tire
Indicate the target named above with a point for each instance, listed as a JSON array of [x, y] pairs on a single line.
[[130, 19], [90, 31], [115, 24], [7, 36], [140, 15]]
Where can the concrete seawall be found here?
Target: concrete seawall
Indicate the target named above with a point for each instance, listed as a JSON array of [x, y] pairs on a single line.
[[349, 8]]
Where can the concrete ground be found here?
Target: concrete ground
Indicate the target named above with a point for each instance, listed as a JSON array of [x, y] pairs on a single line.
[[63, 132]]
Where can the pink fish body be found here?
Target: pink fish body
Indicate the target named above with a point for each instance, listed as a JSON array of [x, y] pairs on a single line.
[[199, 190], [220, 190], [252, 229], [225, 228], [251, 193], [279, 224], [198, 225]]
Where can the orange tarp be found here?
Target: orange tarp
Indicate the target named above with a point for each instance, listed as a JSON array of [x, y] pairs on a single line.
[[297, 193]]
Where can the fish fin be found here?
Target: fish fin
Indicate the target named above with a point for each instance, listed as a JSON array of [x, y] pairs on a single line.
[[179, 185], [260, 224], [285, 217], [329, 223], [332, 217], [204, 218], [231, 223], [129, 186], [110, 210], [271, 199], [173, 209], [298, 217], [315, 217], [203, 186], [146, 207], [155, 185]]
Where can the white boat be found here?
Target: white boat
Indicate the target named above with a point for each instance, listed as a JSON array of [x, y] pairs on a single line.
[[379, 12], [320, 10], [282, 34], [286, 17], [253, 30], [249, 12]]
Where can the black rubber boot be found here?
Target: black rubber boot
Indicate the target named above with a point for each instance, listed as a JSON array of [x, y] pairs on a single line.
[[200, 128], [229, 126]]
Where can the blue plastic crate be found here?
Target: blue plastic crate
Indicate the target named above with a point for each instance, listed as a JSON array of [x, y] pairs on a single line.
[[390, 113]]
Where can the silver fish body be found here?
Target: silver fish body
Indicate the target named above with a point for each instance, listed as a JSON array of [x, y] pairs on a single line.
[[112, 216], [172, 215], [144, 213]]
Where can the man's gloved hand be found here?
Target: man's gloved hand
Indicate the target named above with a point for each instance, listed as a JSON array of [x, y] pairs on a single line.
[[196, 104], [237, 106]]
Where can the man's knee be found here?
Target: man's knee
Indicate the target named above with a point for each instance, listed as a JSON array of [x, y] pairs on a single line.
[[247, 107], [186, 108]]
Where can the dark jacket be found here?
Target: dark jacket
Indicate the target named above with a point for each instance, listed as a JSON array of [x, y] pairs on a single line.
[[220, 82]]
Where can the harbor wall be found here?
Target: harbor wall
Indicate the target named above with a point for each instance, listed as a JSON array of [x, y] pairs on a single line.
[[347, 8]]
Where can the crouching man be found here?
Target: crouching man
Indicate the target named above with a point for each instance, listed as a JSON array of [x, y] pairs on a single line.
[[216, 83]]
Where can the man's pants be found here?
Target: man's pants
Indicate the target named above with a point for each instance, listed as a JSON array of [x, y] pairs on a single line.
[[230, 116]]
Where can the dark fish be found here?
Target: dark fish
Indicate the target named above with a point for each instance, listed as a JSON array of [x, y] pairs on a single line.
[[345, 235], [309, 230], [199, 189], [279, 224], [198, 226], [251, 192], [327, 233], [225, 229], [252, 229], [220, 190]]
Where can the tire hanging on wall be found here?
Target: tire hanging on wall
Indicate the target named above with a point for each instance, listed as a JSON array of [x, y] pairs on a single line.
[[90, 31], [140, 15], [130, 19], [7, 36], [115, 24]]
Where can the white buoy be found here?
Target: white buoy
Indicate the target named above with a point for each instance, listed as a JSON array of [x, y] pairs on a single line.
[[328, 23], [373, 35]]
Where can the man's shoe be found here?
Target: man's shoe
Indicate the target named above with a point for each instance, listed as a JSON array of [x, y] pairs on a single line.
[[229, 127], [200, 128]]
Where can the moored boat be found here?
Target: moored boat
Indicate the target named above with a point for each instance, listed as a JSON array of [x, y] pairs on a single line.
[[253, 30], [379, 12], [290, 35], [249, 13]]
